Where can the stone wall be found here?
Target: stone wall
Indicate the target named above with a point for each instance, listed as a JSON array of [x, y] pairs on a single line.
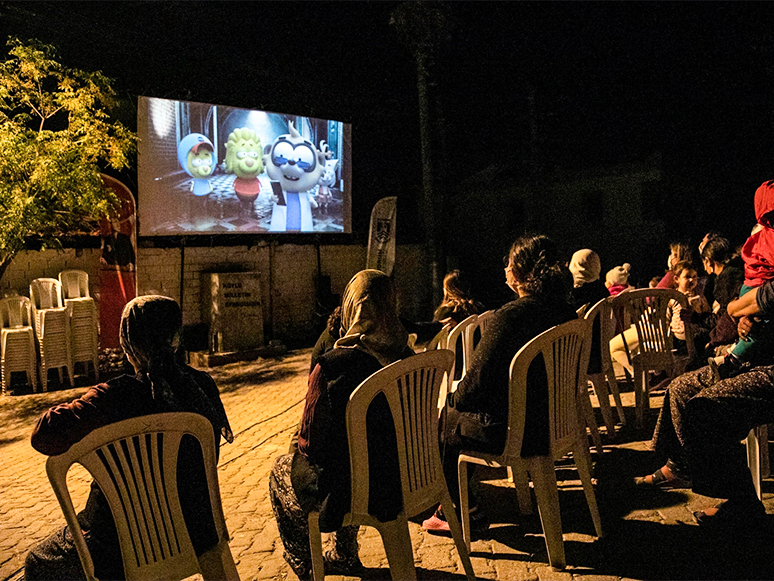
[[289, 311]]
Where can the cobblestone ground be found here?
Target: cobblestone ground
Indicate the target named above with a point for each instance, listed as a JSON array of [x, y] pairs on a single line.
[[649, 535]]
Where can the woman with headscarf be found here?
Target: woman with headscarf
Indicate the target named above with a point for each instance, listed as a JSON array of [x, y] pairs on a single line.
[[315, 474], [150, 335], [476, 414], [587, 289]]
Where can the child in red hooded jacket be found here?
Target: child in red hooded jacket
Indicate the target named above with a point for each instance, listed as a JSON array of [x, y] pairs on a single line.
[[758, 256]]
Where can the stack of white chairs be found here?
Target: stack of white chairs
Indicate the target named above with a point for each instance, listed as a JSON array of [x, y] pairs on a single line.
[[17, 339], [52, 328], [83, 318]]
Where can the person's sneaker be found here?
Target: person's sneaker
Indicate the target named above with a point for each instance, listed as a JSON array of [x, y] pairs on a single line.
[[436, 524]]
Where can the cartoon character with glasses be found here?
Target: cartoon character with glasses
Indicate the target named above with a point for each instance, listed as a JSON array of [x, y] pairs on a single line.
[[295, 165]]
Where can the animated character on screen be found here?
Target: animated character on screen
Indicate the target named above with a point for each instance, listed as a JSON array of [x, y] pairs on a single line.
[[327, 180], [296, 165], [243, 158], [196, 155]]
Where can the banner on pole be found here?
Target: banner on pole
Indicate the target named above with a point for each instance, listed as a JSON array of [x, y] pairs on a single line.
[[381, 236], [117, 280]]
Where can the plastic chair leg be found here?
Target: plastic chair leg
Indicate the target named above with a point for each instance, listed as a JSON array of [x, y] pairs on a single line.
[[603, 396], [547, 493], [753, 460], [582, 460], [217, 564], [613, 384], [315, 546], [456, 531], [397, 545], [641, 399], [520, 480], [462, 478], [584, 401], [763, 444]]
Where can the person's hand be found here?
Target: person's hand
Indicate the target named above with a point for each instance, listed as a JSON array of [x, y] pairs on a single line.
[[744, 326]]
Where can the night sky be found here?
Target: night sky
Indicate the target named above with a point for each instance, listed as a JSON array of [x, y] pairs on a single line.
[[610, 83]]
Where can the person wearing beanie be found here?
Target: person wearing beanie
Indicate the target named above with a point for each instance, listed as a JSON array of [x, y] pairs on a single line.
[[587, 288], [617, 279]]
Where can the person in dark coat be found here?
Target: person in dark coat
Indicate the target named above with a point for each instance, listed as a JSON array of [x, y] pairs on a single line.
[[476, 414], [151, 327], [315, 474], [588, 288]]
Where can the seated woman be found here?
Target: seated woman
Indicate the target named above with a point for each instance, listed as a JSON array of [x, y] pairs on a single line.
[[457, 304], [587, 289], [150, 334], [728, 272], [476, 415], [702, 423], [315, 474]]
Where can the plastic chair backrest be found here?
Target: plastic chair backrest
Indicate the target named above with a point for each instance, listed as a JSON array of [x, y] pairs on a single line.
[[457, 342], [600, 318], [46, 293], [75, 284], [411, 387], [134, 462], [565, 351], [15, 312], [648, 311], [484, 319], [440, 339]]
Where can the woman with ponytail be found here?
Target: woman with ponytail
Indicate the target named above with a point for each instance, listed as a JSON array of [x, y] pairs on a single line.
[[150, 335], [476, 414]]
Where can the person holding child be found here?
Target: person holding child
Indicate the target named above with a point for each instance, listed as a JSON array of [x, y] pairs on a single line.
[[758, 256]]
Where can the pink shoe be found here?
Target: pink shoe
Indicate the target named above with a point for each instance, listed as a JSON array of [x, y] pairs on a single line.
[[436, 525]]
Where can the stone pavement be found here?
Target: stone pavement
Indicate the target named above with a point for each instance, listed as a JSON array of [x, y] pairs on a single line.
[[649, 534]]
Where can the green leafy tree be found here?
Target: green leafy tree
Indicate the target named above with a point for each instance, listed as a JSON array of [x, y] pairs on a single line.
[[56, 137]]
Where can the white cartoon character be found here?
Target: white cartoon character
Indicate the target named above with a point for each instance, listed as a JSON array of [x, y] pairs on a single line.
[[296, 165], [327, 180]]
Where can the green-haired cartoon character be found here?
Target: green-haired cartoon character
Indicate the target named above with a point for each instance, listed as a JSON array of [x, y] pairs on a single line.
[[244, 158]]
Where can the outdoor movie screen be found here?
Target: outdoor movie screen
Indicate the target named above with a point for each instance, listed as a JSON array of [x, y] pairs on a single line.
[[210, 169]]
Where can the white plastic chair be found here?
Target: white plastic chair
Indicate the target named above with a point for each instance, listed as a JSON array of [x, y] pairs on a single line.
[[648, 311], [565, 352], [135, 464], [83, 318], [602, 322], [484, 319], [411, 387], [440, 339], [52, 328], [17, 340], [458, 343], [757, 443]]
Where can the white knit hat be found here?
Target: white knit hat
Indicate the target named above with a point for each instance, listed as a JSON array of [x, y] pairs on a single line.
[[618, 275]]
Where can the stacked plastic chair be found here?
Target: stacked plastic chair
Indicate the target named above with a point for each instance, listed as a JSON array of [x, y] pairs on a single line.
[[52, 328], [17, 340], [83, 318]]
